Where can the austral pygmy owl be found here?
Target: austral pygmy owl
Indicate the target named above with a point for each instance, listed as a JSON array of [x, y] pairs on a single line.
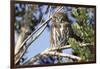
[[59, 30]]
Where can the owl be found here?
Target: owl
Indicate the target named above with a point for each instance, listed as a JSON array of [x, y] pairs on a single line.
[[59, 30]]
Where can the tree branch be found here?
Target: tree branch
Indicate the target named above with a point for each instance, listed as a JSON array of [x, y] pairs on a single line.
[[49, 51], [69, 46], [62, 55]]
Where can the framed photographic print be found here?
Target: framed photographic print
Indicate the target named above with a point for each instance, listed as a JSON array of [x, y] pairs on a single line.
[[51, 34]]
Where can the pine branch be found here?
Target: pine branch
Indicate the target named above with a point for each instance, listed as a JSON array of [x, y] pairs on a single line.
[[69, 46], [52, 53], [62, 55], [48, 51]]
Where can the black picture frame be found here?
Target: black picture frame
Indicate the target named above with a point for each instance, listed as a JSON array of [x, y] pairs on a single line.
[[12, 38]]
